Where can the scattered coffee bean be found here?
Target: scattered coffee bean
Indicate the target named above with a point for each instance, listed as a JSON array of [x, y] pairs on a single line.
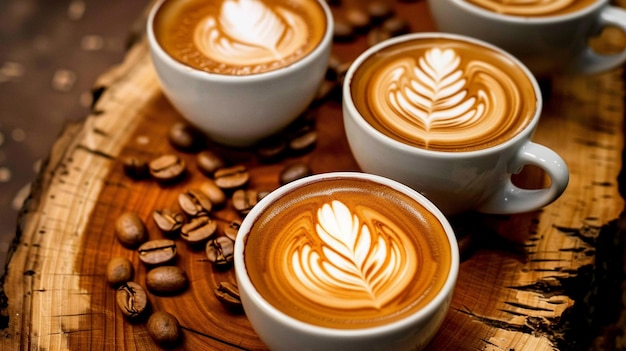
[[341, 72], [220, 251], [164, 329], [194, 202], [244, 200], [209, 162], [185, 137], [167, 168], [358, 19], [377, 35], [232, 229], [396, 26], [343, 31], [131, 299], [213, 192], [333, 63], [263, 194], [168, 221], [325, 90], [166, 279], [157, 252], [271, 150], [304, 141], [119, 270], [293, 172], [379, 10], [198, 229], [231, 178], [135, 168], [228, 294], [130, 230]]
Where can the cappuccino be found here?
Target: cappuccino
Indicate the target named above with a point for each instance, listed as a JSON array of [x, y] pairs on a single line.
[[444, 94], [533, 8], [239, 37], [348, 253]]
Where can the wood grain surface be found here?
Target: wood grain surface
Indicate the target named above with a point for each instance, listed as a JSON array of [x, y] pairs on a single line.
[[531, 281]]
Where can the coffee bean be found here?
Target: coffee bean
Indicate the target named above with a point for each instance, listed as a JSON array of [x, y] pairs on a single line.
[[208, 162], [213, 192], [130, 230], [358, 18], [396, 26], [293, 172], [135, 168], [168, 221], [164, 329], [194, 202], [231, 178], [263, 194], [343, 31], [198, 229], [304, 141], [333, 63], [244, 200], [166, 279], [131, 299], [156, 252], [324, 92], [341, 72], [232, 229], [271, 150], [119, 270], [379, 10], [228, 294], [377, 35], [184, 137], [220, 251], [167, 168]]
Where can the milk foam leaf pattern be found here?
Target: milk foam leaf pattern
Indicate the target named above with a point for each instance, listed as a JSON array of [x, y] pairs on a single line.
[[355, 263], [252, 23], [525, 7], [433, 92]]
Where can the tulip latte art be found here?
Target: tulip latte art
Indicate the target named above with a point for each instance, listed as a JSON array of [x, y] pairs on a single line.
[[533, 8], [442, 94], [347, 253], [239, 37]]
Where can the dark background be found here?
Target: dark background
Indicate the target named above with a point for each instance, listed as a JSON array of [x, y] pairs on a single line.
[[51, 52]]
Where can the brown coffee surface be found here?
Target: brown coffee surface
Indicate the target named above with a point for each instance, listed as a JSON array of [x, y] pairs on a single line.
[[347, 254], [237, 37], [533, 8], [444, 94]]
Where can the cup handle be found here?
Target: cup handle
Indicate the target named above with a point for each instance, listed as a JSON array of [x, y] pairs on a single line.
[[591, 62], [511, 199]]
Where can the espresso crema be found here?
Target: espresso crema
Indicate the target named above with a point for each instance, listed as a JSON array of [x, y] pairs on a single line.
[[239, 37], [443, 94], [533, 8], [348, 254]]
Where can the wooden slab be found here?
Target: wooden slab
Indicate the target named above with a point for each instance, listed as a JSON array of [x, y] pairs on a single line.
[[531, 281]]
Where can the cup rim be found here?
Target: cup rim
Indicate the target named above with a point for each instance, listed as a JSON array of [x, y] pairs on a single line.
[[302, 63], [527, 19], [355, 115], [430, 308]]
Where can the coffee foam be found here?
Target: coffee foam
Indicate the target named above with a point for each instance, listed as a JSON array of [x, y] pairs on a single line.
[[444, 95], [239, 37], [347, 254], [533, 8]]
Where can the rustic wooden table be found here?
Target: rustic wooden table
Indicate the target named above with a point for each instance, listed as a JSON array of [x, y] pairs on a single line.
[[546, 280]]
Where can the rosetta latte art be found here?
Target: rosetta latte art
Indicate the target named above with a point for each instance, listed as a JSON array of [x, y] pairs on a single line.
[[434, 101], [248, 32], [526, 7], [361, 262]]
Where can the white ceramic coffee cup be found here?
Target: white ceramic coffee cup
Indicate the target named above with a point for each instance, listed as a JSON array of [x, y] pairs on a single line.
[[547, 45], [456, 181], [283, 332], [241, 110]]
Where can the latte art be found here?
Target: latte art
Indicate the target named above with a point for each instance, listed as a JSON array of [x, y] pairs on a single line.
[[355, 260], [444, 96], [347, 253], [531, 8], [247, 32], [239, 37]]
